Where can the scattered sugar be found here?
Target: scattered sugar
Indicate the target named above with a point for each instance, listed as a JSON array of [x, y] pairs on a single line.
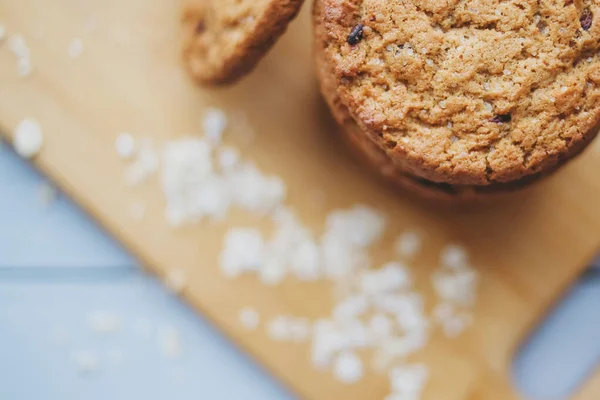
[[86, 361], [381, 326], [249, 318], [228, 159], [377, 309], [408, 381], [351, 308], [359, 226], [348, 367], [299, 329], [90, 24], [305, 260], [454, 256], [408, 244], [214, 124], [251, 190], [278, 329], [28, 138], [144, 164], [453, 323], [243, 252], [285, 328], [18, 46], [103, 322], [458, 286], [75, 48], [176, 280], [390, 277], [125, 146], [272, 271]]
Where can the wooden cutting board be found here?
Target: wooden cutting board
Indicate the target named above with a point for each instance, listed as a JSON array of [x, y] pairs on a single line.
[[529, 249]]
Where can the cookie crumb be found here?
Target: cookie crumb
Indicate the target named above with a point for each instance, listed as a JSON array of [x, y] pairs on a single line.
[[28, 138]]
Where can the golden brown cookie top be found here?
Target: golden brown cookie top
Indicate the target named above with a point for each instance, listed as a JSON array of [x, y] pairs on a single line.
[[224, 39], [467, 91]]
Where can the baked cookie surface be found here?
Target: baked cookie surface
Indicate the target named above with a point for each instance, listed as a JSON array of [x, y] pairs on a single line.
[[225, 39], [376, 159], [475, 92]]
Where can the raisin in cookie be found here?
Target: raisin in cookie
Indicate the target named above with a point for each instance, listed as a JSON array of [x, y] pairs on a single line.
[[487, 95], [225, 39]]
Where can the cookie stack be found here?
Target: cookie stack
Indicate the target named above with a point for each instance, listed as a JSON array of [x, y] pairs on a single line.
[[459, 99]]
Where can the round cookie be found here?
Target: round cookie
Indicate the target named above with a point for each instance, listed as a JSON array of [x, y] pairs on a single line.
[[378, 161], [225, 39], [487, 94], [368, 152]]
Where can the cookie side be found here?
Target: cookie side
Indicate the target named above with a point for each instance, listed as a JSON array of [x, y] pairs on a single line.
[[377, 160], [225, 39], [455, 94], [371, 155]]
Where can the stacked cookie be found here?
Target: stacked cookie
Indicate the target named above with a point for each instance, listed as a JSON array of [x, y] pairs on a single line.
[[460, 99]]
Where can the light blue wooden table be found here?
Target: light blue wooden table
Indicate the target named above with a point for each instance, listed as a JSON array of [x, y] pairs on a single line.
[[57, 267]]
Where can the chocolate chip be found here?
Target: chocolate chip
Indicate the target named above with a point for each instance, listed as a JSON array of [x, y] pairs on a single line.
[[501, 119], [586, 19], [355, 35]]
